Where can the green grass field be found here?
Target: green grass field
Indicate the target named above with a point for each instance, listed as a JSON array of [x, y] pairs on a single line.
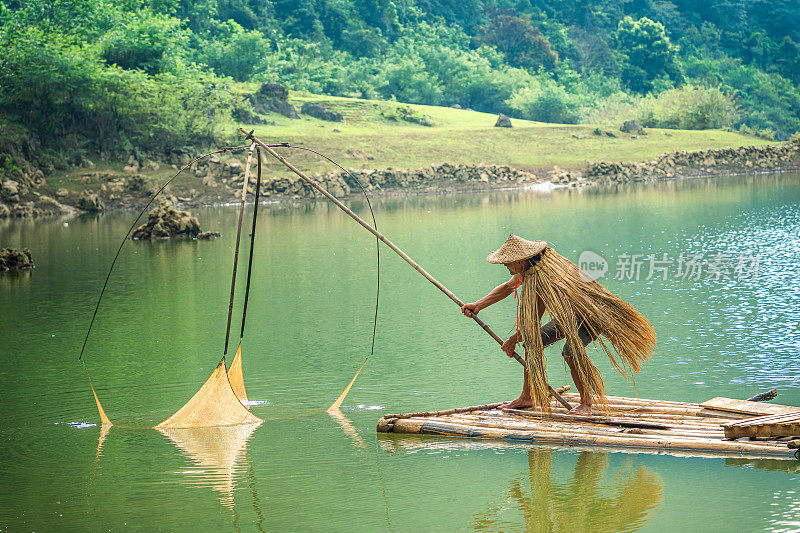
[[469, 137], [370, 138]]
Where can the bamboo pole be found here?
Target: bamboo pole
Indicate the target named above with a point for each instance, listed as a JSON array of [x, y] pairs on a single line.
[[590, 419], [455, 427], [236, 249], [651, 409], [394, 247], [489, 411]]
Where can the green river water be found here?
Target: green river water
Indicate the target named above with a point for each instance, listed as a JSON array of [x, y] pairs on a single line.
[[159, 333]]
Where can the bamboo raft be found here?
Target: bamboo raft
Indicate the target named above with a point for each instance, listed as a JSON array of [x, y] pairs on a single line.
[[632, 425]]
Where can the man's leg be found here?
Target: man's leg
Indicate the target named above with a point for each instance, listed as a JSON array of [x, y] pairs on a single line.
[[585, 407], [550, 334]]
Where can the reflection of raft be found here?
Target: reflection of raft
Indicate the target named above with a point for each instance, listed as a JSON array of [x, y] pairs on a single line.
[[633, 425]]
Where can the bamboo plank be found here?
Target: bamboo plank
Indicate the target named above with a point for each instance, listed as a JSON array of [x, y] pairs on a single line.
[[621, 422], [790, 417], [628, 423], [556, 426], [747, 407], [786, 425]]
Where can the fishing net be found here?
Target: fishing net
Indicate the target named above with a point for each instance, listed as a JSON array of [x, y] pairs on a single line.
[[236, 377], [215, 404]]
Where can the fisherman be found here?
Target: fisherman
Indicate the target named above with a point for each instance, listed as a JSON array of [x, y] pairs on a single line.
[[581, 311]]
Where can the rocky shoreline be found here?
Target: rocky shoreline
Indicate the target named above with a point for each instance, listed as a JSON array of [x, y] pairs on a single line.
[[702, 163], [220, 181]]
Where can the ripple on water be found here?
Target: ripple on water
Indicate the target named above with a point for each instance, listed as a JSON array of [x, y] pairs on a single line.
[[756, 328]]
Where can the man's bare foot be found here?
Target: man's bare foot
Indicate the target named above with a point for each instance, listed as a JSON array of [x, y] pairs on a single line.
[[520, 403], [582, 409]]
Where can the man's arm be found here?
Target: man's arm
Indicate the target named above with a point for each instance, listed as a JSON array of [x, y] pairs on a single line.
[[498, 293]]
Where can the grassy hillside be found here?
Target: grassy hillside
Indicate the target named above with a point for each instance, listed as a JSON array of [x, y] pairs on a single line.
[[462, 136], [369, 137]]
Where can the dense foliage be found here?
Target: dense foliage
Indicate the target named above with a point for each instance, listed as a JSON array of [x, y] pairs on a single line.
[[108, 75]]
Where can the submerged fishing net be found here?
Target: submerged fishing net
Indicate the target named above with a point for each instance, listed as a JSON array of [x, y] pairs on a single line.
[[571, 296]]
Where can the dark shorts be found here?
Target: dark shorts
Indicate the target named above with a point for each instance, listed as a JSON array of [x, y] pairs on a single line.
[[551, 332]]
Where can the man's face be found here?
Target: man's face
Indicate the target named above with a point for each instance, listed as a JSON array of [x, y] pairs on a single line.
[[517, 267]]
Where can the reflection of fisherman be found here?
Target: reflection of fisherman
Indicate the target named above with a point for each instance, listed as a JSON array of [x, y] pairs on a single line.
[[581, 311]]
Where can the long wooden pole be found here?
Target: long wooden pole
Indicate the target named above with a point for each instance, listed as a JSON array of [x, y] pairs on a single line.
[[238, 240], [397, 250]]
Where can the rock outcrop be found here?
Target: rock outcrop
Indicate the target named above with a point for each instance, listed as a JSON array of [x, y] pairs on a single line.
[[273, 97], [502, 121], [13, 259], [18, 200], [317, 111], [91, 202], [165, 222], [633, 127], [9, 191]]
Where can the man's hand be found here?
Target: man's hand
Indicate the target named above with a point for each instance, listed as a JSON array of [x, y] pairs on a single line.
[[470, 309], [509, 345]]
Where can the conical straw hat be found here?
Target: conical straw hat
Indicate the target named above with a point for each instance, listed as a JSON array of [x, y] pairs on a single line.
[[516, 249]]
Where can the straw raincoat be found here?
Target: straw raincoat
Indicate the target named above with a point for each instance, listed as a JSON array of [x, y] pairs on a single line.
[[571, 297]]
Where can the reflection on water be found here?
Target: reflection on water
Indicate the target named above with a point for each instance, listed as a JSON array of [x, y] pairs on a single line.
[[104, 429], [582, 503], [769, 465], [218, 451], [348, 428]]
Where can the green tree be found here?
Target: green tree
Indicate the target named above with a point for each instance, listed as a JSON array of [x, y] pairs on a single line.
[[149, 42], [787, 59], [379, 14], [523, 45], [545, 101], [363, 42], [236, 53], [645, 53]]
